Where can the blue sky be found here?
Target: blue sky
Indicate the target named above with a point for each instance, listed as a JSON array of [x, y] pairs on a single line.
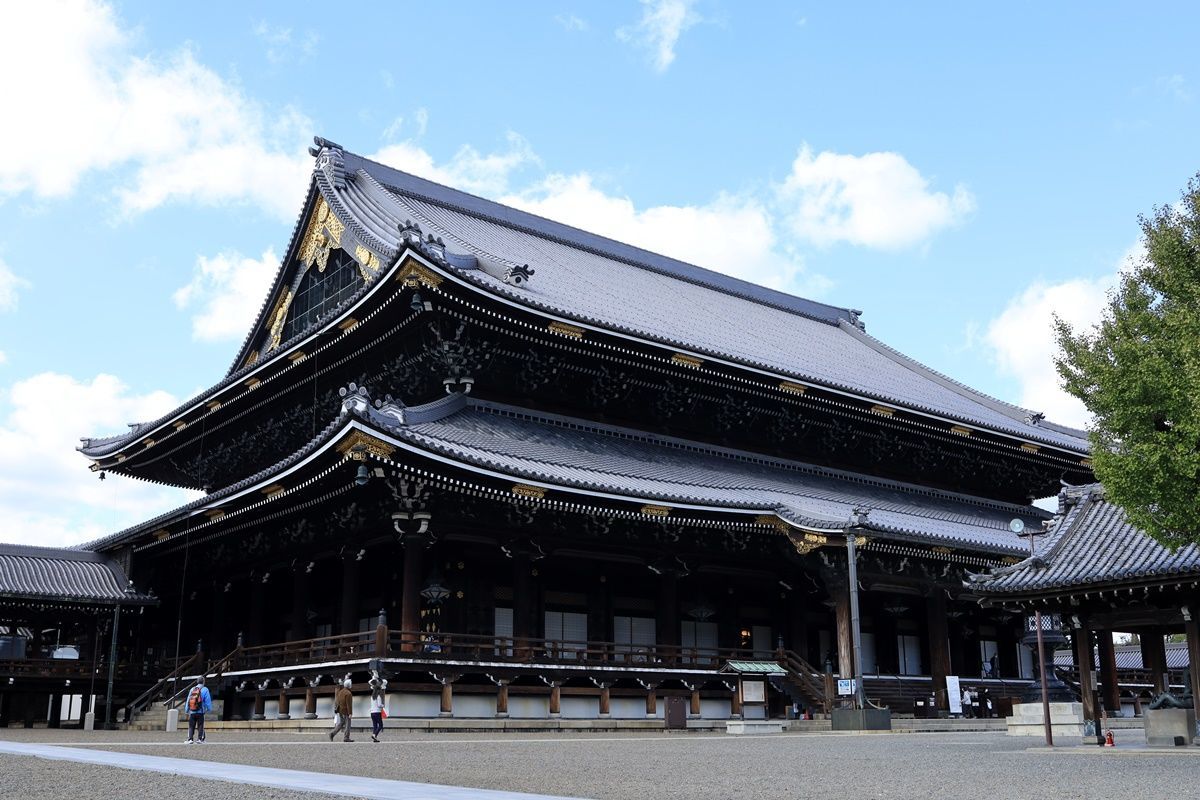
[[955, 173]]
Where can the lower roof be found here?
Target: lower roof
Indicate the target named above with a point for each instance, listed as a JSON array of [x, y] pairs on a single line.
[[50, 574], [1092, 545]]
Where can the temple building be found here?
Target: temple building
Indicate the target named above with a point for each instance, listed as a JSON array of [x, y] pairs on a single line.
[[524, 470]]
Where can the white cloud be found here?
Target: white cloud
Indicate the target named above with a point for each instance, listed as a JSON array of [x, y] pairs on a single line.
[[188, 133], [48, 494], [571, 22], [281, 46], [1021, 338], [659, 29], [688, 233], [3, 357], [468, 170], [875, 200], [10, 285], [226, 292]]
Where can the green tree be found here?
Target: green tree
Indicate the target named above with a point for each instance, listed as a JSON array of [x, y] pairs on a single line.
[[1138, 373]]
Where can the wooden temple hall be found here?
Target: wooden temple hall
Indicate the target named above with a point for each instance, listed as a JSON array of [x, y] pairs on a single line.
[[523, 470]]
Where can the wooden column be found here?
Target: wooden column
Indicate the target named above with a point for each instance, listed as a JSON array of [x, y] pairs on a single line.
[[1108, 673], [939, 653], [555, 699], [1154, 658], [300, 603], [310, 703], [668, 612], [447, 704], [845, 644], [502, 698], [260, 706], [651, 699], [1191, 629], [283, 705], [694, 708], [735, 701], [348, 617], [1087, 686], [605, 701], [410, 591]]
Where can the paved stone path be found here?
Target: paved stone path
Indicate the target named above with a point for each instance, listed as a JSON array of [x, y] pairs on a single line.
[[289, 779]]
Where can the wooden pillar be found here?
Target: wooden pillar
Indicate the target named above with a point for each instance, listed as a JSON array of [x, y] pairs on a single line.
[[735, 701], [447, 704], [310, 703], [605, 701], [502, 698], [260, 705], [300, 603], [939, 644], [348, 617], [668, 613], [1191, 629], [1154, 658], [845, 644], [555, 699], [694, 708], [1108, 673], [54, 720], [410, 591], [1087, 686], [283, 705], [651, 699], [381, 635]]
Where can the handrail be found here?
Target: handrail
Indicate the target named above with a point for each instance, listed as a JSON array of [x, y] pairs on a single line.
[[146, 698], [215, 670], [804, 674]]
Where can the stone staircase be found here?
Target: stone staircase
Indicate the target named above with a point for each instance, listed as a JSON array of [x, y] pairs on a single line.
[[154, 718]]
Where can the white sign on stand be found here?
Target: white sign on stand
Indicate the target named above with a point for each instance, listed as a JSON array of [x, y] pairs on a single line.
[[845, 687], [954, 694]]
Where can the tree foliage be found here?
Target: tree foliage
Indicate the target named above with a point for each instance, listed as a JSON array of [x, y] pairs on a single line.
[[1138, 373]]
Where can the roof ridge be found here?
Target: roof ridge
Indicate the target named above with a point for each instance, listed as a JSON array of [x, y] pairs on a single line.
[[543, 227]]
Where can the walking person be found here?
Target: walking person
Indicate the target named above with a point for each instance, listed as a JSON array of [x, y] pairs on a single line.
[[378, 706], [343, 708], [199, 703]]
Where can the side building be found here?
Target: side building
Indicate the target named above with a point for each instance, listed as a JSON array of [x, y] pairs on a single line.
[[526, 470]]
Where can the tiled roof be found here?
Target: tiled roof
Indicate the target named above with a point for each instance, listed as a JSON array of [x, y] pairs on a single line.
[[592, 457], [1130, 656], [54, 574], [1091, 544]]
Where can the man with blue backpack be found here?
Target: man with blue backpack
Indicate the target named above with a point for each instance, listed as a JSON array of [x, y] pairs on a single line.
[[199, 703]]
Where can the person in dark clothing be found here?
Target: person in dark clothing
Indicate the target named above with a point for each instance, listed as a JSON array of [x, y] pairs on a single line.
[[198, 703], [343, 707]]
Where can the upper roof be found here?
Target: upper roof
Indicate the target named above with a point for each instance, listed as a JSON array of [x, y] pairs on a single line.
[[55, 574], [1092, 544], [604, 461], [380, 213], [1130, 656]]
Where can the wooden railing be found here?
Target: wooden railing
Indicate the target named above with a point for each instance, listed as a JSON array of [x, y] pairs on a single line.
[[54, 668], [214, 670], [345, 647], [159, 689], [531, 650], [804, 676]]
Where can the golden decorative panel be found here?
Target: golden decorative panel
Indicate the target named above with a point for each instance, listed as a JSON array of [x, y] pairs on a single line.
[[180, 425], [945, 551], [324, 232], [656, 511], [251, 359], [148, 443], [686, 360], [774, 521], [368, 263], [213, 405], [349, 323], [883, 411], [414, 274], [1085, 462], [277, 318], [274, 490], [357, 445], [1030, 447], [160, 534], [805, 542], [252, 383], [961, 430], [296, 356], [564, 329], [523, 490], [793, 388]]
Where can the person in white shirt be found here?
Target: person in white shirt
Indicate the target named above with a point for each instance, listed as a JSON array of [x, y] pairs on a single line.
[[378, 705]]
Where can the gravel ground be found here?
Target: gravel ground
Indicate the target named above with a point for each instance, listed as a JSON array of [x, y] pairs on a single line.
[[604, 766]]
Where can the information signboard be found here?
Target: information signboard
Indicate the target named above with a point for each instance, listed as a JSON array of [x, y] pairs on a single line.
[[954, 694]]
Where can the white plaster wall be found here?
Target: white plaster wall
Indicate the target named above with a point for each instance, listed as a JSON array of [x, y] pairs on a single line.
[[271, 709], [628, 708], [324, 707], [425, 704], [474, 706], [714, 709], [526, 707], [580, 707]]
